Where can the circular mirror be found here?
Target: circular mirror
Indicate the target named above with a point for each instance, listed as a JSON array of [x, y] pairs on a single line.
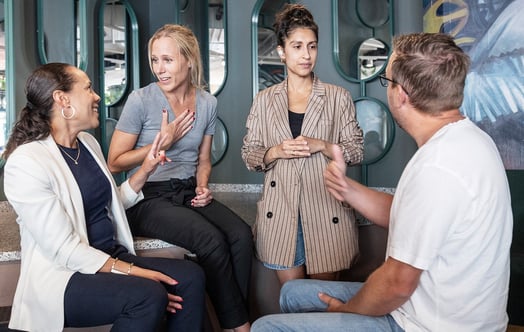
[[377, 127], [372, 58], [220, 142], [362, 33]]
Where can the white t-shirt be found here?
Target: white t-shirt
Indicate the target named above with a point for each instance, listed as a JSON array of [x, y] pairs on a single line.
[[451, 217]]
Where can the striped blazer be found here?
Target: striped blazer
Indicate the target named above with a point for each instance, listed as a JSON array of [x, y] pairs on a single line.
[[296, 186]]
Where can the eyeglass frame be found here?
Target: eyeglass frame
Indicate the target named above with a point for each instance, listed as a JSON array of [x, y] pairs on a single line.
[[384, 82]]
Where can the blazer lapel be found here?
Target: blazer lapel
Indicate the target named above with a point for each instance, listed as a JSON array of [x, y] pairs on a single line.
[[314, 109], [279, 108]]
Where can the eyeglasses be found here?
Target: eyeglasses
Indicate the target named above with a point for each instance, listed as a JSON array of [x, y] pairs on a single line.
[[384, 81]]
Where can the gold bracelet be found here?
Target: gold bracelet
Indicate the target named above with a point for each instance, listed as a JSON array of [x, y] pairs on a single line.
[[129, 269], [113, 269]]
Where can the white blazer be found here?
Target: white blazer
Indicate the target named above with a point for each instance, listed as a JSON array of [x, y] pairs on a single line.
[[45, 195]]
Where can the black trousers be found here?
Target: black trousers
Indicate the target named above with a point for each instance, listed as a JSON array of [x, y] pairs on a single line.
[[134, 303], [222, 241]]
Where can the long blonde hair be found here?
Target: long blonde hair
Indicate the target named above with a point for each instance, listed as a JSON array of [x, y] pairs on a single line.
[[188, 45]]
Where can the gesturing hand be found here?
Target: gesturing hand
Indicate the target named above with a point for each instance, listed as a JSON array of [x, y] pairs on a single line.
[[176, 129], [155, 155], [335, 174]]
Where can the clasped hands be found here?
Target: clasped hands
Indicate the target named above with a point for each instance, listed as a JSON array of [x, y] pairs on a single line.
[[203, 197], [300, 147]]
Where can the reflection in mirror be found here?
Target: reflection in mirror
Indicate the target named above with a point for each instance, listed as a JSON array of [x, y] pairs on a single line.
[[217, 61], [372, 57], [3, 96], [270, 69], [377, 127], [115, 72], [361, 26], [220, 142]]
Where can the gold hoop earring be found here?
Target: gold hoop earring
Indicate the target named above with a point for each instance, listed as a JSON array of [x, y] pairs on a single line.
[[72, 114]]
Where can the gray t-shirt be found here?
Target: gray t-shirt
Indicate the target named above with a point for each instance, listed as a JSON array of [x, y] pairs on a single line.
[[142, 116]]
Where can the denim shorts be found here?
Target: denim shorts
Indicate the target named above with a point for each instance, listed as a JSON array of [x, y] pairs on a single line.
[[300, 253]]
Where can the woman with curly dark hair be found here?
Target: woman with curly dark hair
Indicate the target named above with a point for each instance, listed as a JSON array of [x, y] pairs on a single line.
[[300, 228]]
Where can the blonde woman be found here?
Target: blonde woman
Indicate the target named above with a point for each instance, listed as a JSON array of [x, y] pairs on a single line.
[[179, 207]]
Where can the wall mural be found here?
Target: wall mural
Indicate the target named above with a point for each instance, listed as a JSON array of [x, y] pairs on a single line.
[[490, 31]]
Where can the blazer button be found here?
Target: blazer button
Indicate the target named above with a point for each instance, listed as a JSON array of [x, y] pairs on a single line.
[[269, 214], [335, 220], [273, 183]]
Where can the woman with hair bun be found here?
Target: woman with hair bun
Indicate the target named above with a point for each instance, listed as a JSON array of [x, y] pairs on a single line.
[[300, 229]]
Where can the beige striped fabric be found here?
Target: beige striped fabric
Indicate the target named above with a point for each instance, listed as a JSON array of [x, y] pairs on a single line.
[[296, 186]]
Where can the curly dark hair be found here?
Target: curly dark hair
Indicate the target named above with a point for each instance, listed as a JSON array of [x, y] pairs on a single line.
[[291, 17], [35, 118]]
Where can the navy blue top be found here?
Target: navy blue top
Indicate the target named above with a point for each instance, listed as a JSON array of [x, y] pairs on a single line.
[[96, 197]]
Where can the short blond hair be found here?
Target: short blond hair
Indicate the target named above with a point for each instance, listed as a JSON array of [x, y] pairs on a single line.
[[432, 69]]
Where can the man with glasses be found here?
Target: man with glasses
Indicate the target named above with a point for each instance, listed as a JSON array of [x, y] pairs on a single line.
[[449, 222], [384, 81]]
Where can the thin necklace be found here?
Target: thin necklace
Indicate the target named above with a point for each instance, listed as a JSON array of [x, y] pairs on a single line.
[[75, 160]]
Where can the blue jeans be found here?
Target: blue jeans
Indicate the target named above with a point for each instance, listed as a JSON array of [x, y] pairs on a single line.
[[304, 311], [300, 252]]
